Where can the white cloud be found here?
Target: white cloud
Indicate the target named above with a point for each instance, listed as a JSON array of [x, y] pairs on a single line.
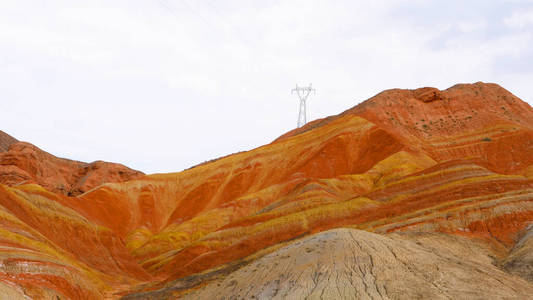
[[472, 25], [520, 19]]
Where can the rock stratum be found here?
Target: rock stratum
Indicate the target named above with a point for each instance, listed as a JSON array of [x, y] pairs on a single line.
[[411, 194], [23, 163]]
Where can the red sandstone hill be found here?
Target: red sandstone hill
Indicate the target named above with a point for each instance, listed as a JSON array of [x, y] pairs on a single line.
[[24, 163], [411, 194]]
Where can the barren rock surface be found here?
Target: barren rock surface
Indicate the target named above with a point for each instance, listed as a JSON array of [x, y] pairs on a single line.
[[5, 141], [520, 260], [25, 163], [354, 264]]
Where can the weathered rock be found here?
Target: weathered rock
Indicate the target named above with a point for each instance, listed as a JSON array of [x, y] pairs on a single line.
[[25, 163], [520, 260], [5, 141], [355, 264]]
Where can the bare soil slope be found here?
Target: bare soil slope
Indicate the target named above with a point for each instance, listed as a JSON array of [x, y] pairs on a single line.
[[355, 264]]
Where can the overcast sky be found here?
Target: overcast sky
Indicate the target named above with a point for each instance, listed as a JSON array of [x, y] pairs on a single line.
[[161, 85]]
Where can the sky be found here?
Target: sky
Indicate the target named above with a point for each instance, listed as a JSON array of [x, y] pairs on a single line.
[[162, 85]]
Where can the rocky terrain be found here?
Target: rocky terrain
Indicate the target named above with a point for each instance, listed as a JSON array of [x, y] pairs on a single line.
[[5, 141], [23, 163], [410, 194], [355, 264]]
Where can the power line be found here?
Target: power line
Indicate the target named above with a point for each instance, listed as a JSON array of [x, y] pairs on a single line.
[[165, 5], [192, 10], [170, 9]]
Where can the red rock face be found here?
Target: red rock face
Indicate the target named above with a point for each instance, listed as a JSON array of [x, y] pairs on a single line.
[[5, 141], [24, 163], [479, 120], [458, 161]]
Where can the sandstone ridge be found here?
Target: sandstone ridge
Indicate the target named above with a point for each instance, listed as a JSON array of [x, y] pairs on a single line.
[[25, 163]]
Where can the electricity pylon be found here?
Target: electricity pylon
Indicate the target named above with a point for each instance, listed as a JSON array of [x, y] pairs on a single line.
[[303, 93]]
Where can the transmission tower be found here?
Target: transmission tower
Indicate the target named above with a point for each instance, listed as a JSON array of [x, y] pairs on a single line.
[[303, 93]]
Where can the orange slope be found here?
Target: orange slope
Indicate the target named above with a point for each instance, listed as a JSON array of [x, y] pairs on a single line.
[[328, 174]]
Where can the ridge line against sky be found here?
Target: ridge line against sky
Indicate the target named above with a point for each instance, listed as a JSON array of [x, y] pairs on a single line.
[[162, 85]]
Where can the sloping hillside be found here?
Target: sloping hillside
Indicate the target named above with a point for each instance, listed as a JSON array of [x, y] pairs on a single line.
[[355, 264]]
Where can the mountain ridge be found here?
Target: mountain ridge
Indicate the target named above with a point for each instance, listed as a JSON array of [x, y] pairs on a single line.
[[25, 163]]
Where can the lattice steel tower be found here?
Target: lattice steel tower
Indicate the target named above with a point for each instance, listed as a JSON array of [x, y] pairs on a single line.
[[303, 93]]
